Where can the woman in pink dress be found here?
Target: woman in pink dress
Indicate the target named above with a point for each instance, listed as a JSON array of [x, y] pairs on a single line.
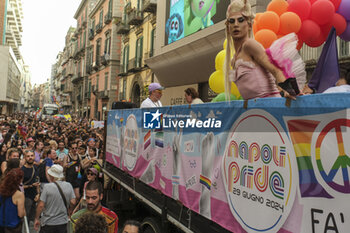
[[254, 70]]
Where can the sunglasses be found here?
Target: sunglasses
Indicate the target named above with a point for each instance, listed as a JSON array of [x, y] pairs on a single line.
[[233, 21], [91, 174]]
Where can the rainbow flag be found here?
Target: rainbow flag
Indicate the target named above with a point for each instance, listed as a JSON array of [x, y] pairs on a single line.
[[205, 181], [301, 132]]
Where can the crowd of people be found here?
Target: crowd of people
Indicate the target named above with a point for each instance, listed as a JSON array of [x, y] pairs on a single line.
[[50, 174]]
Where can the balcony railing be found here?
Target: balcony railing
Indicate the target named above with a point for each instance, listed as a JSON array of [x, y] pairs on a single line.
[[99, 28], [123, 70], [91, 34], [135, 17], [108, 17], [103, 94], [123, 28], [149, 6], [104, 59], [87, 95]]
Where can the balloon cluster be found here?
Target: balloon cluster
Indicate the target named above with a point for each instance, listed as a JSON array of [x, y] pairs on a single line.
[[217, 78], [311, 20]]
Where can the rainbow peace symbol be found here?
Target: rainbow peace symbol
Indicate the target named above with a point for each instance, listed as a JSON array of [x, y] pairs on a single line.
[[337, 177]]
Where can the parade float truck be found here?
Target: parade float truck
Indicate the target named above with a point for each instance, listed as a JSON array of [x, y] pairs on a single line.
[[263, 165]]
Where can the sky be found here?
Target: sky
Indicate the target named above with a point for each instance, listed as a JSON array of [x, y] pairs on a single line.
[[45, 25]]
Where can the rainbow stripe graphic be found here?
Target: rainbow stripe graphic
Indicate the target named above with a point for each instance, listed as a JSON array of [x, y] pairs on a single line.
[[205, 181], [254, 152], [277, 185], [261, 178], [233, 176], [243, 150], [233, 149], [279, 159], [301, 134], [175, 180], [147, 140], [247, 176]]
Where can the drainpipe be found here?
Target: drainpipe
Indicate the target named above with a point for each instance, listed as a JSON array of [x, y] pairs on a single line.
[[5, 24]]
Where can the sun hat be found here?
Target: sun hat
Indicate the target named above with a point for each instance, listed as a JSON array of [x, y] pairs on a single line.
[[155, 86], [30, 139], [56, 171]]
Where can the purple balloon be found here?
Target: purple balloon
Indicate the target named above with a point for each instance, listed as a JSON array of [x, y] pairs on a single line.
[[344, 9], [346, 34]]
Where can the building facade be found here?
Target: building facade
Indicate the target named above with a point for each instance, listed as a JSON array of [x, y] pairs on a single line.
[[137, 27], [13, 73]]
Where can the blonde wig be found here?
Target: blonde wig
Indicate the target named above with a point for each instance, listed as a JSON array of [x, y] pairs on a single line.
[[244, 7]]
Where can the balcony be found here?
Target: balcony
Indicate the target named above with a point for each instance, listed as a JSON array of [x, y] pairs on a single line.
[[95, 65], [99, 28], [123, 70], [135, 17], [134, 65], [103, 94], [94, 89], [77, 78], [123, 28], [149, 6], [87, 95], [91, 34], [88, 69], [67, 89], [104, 59], [108, 18], [84, 23]]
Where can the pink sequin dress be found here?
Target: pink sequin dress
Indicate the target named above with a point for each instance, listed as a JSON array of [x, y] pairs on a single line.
[[253, 81]]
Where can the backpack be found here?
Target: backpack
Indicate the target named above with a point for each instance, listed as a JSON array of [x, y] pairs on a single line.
[[42, 172]]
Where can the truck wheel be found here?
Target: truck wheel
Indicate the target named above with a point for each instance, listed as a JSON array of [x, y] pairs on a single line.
[[151, 225]]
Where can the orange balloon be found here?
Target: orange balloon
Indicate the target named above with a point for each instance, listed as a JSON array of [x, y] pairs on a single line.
[[257, 16], [290, 22], [265, 37], [269, 20], [255, 27], [278, 6]]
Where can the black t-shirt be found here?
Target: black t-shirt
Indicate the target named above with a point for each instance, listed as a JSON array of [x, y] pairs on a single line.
[[28, 174]]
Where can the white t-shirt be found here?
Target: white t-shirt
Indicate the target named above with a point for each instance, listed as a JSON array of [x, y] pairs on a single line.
[[148, 103], [342, 88], [197, 101]]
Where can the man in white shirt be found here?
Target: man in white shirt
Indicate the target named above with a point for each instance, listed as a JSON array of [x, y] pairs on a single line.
[[155, 93], [343, 85]]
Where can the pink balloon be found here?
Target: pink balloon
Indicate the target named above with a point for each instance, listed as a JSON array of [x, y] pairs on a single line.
[[346, 34], [322, 12], [301, 8]]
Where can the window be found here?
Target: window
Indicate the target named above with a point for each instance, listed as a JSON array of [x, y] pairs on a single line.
[[138, 56], [139, 2], [98, 51], [127, 6], [108, 44], [106, 81], [91, 55], [344, 48], [97, 81], [84, 39], [124, 89], [93, 25], [151, 52], [101, 18], [125, 59], [110, 6]]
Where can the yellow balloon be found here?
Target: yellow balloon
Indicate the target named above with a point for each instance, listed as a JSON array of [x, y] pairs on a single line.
[[234, 90], [225, 44], [216, 81], [220, 60]]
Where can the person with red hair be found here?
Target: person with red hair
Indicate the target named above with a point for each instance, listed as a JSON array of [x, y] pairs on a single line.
[[12, 202]]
